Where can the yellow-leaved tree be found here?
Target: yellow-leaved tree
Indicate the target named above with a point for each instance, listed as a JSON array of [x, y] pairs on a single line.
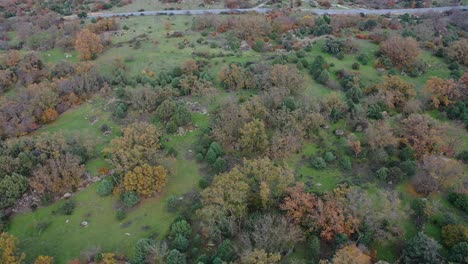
[[9, 251], [145, 180], [88, 44]]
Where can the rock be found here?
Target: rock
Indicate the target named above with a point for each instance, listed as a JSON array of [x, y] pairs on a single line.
[[385, 114], [359, 128], [326, 127], [190, 151], [339, 132], [390, 182], [244, 46], [127, 234], [181, 131], [84, 223], [318, 184], [380, 69], [67, 221], [67, 195]]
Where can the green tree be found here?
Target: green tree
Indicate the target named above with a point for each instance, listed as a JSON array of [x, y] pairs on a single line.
[[180, 243], [226, 251], [181, 227], [422, 249], [11, 189], [175, 257]]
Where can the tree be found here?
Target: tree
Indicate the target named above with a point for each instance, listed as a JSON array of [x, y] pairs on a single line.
[[58, 175], [458, 253], [437, 173], [226, 251], [380, 135], [227, 196], [88, 44], [424, 135], [12, 188], [268, 180], [287, 77], [458, 51], [145, 180], [327, 215], [181, 227], [454, 234], [442, 92], [234, 77], [351, 255], [50, 260], [422, 249], [272, 233], [401, 51], [259, 256], [9, 250], [395, 92], [137, 146], [253, 137]]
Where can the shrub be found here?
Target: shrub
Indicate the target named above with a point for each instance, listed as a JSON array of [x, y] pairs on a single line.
[[120, 214], [346, 163], [181, 227], [382, 173], [318, 163], [408, 167], [175, 257], [459, 200], [130, 199], [458, 253], [355, 66], [180, 243], [329, 157], [142, 249], [323, 77], [105, 187], [363, 58], [203, 183], [67, 208], [220, 165], [454, 234], [226, 251]]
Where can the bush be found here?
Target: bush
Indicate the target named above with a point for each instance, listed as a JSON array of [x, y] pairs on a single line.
[[408, 167], [105, 187], [220, 165], [66, 208], [180, 243], [142, 249], [120, 214], [323, 77], [203, 183], [329, 157], [346, 163], [175, 257], [463, 156], [181, 227], [454, 234], [458, 253], [459, 200], [226, 251], [318, 163], [382, 173], [355, 66], [130, 199], [363, 58]]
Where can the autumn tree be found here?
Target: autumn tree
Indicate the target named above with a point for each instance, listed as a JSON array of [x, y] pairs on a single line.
[[108, 258], [454, 234], [424, 135], [145, 180], [272, 233], [233, 77], [253, 137], [44, 260], [268, 180], [287, 77], [380, 135], [327, 215], [137, 146], [259, 256], [401, 51], [395, 92], [351, 254], [88, 44], [58, 175], [458, 51], [442, 92], [9, 252], [436, 173]]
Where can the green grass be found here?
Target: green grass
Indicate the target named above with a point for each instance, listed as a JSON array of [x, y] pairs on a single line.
[[66, 241], [56, 55], [158, 5]]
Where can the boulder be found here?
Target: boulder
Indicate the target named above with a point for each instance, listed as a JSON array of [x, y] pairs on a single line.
[[67, 195], [339, 132], [84, 223]]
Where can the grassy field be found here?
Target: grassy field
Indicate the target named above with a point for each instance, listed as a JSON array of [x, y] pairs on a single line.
[[65, 240], [159, 5]]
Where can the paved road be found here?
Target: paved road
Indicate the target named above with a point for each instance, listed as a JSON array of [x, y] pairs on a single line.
[[260, 9]]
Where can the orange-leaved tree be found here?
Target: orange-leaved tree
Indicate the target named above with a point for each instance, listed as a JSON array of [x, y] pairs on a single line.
[[88, 44]]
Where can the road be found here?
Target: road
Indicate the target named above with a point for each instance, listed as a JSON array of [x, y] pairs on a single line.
[[261, 9]]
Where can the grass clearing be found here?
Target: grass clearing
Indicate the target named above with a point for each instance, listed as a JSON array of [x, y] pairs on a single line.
[[148, 219]]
